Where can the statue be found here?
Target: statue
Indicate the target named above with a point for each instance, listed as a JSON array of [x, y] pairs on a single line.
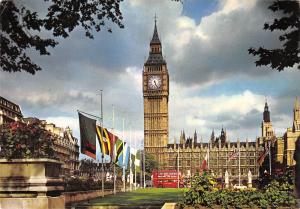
[[249, 179], [226, 179]]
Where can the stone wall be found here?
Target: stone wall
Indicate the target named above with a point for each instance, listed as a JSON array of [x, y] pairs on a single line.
[[40, 202], [71, 197]]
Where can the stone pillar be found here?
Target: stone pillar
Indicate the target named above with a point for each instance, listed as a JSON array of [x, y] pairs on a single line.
[[1, 117], [31, 183]]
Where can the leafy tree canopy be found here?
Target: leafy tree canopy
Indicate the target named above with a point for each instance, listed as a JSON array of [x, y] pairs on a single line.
[[288, 55], [20, 27], [150, 164]]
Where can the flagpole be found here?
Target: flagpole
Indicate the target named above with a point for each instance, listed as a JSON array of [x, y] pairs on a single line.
[[141, 169], [102, 155], [239, 166], [130, 162], [135, 161], [124, 177], [144, 168], [178, 167], [208, 156], [113, 126], [270, 157]]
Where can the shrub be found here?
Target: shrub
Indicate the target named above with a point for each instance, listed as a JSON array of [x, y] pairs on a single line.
[[279, 192], [82, 184]]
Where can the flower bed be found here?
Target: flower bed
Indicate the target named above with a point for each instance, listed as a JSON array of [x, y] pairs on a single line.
[[278, 193]]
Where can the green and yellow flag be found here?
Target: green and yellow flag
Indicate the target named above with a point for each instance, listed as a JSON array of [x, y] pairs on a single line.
[[106, 140]]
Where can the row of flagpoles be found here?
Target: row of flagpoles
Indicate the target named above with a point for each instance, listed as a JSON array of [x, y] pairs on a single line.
[[236, 154], [110, 145]]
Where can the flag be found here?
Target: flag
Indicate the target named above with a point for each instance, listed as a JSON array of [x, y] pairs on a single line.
[[87, 135], [204, 162], [262, 156], [106, 140], [119, 152], [137, 162], [127, 154], [133, 151], [233, 155]]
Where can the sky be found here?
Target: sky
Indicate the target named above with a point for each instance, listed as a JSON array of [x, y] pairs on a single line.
[[213, 80]]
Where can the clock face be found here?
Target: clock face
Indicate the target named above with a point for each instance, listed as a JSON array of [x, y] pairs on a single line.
[[154, 82]]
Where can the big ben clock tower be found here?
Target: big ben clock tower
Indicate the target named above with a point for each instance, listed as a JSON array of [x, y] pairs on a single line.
[[156, 97]]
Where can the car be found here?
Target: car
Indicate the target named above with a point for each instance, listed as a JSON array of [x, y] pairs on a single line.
[[148, 183]]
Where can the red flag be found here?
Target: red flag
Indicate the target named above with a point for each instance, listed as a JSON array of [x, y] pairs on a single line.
[[233, 155], [262, 156], [204, 162]]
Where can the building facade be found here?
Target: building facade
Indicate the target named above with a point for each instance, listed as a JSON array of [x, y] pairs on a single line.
[[222, 155], [65, 145], [9, 111], [156, 98], [188, 154], [267, 132], [286, 145]]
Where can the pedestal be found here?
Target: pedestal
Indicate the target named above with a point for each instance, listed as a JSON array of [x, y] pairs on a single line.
[[31, 183]]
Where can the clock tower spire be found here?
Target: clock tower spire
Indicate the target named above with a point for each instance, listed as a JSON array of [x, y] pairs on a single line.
[[156, 98]]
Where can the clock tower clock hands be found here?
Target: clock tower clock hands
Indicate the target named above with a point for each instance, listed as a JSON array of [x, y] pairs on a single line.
[[155, 84]]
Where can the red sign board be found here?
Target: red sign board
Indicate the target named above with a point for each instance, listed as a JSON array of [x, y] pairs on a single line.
[[166, 179]]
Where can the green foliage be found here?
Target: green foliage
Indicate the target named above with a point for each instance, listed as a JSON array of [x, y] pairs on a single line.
[[202, 191], [289, 22], [21, 27], [279, 192], [83, 184], [89, 167], [150, 164], [19, 140]]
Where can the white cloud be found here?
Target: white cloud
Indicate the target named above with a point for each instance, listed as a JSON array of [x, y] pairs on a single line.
[[207, 112], [228, 6], [64, 122], [199, 56]]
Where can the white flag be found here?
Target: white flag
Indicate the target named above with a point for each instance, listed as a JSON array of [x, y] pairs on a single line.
[[133, 151], [137, 162]]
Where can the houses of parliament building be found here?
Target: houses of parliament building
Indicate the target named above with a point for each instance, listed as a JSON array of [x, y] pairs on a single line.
[[189, 153]]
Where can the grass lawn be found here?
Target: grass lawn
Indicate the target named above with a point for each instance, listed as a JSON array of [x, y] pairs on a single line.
[[140, 197]]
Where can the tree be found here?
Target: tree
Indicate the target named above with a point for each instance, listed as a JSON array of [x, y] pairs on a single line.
[[288, 55], [20, 27], [150, 164]]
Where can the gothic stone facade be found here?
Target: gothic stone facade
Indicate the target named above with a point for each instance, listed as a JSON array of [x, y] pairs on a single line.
[[191, 154], [285, 147], [282, 148]]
